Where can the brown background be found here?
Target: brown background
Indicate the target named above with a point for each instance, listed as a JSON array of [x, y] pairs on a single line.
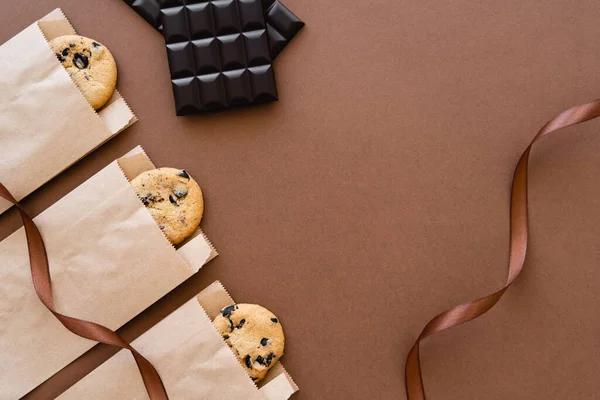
[[375, 193]]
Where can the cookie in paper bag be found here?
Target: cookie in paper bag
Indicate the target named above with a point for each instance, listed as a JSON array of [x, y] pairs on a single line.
[[254, 334], [174, 200], [90, 65]]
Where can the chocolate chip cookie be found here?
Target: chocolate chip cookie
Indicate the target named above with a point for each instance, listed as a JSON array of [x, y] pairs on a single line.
[[254, 334], [90, 65], [173, 199]]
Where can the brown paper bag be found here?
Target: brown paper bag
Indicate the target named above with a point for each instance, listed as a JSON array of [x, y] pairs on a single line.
[[191, 357], [46, 124], [108, 260]]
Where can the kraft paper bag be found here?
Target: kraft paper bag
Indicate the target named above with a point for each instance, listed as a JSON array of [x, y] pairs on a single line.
[[108, 261], [191, 357], [46, 124]]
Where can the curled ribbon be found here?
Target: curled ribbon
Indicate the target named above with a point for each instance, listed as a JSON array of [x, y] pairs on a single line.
[[40, 274], [517, 250]]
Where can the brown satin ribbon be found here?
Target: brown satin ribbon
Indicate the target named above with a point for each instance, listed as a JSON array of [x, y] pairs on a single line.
[[40, 274], [517, 250]]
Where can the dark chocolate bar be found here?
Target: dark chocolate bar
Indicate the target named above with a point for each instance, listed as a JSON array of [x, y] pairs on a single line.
[[218, 54], [282, 24]]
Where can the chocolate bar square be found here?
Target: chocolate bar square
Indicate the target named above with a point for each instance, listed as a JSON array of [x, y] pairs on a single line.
[[218, 54], [147, 9], [282, 24]]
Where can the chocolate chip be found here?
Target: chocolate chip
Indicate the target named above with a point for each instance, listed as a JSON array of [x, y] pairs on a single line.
[[60, 57], [71, 45], [274, 320], [248, 361], [162, 227], [182, 220], [95, 44], [254, 378], [259, 360], [172, 200], [180, 193], [242, 322], [87, 78], [66, 52], [269, 358], [184, 174], [147, 199], [180, 190], [226, 312], [264, 341], [225, 337], [81, 61]]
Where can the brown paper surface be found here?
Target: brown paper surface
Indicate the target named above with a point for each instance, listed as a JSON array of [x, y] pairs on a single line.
[[108, 261], [46, 124], [374, 194], [191, 358]]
